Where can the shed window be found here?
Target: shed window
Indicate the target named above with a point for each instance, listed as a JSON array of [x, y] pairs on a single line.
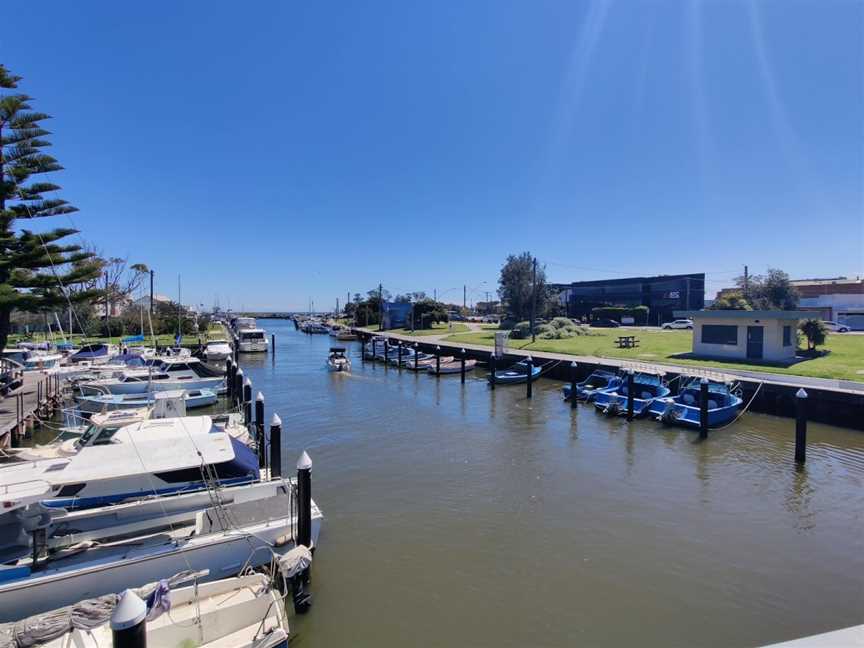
[[787, 336], [719, 334]]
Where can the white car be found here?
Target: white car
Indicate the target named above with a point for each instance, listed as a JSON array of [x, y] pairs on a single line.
[[835, 327], [679, 324]]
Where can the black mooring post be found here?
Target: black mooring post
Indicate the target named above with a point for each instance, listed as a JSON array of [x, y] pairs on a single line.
[[129, 622], [238, 387], [630, 390], [400, 356], [304, 494], [703, 408], [275, 447], [492, 371], [462, 366], [800, 426], [416, 356], [247, 402], [386, 351], [229, 379], [573, 380], [363, 342], [374, 348], [273, 343], [528, 385], [437, 360], [259, 430]]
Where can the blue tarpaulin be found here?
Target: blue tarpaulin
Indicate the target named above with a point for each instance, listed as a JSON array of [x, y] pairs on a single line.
[[133, 338]]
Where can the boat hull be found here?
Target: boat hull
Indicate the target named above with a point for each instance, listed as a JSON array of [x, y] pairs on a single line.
[[672, 412], [143, 387]]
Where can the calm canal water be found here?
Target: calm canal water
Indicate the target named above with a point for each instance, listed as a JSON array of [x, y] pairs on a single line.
[[458, 516]]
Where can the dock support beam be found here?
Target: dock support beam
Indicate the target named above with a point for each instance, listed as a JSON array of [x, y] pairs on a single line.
[[304, 495], [129, 622], [238, 387], [703, 408], [247, 402], [400, 356], [528, 385], [260, 442], [275, 447], [800, 426], [573, 380], [492, 371], [437, 360], [462, 365]]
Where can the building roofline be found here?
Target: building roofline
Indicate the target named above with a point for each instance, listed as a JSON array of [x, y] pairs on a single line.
[[594, 282], [745, 314]]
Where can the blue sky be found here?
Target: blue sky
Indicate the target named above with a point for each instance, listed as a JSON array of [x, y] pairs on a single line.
[[275, 151]]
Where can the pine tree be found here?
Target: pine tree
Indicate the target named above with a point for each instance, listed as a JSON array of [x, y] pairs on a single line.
[[35, 270]]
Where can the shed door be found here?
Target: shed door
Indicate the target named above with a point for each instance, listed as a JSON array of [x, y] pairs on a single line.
[[754, 342]]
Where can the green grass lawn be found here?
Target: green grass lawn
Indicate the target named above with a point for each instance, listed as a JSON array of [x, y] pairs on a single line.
[[437, 329], [845, 360]]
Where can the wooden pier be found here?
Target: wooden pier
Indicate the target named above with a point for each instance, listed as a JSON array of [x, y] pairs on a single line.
[[22, 408]]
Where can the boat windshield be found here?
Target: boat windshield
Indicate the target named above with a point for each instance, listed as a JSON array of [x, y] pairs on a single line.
[[96, 435], [252, 335]]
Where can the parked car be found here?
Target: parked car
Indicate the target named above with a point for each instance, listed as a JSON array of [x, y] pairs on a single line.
[[679, 324], [604, 323], [836, 328]]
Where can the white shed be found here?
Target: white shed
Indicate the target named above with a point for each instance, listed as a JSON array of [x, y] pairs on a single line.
[[745, 335]]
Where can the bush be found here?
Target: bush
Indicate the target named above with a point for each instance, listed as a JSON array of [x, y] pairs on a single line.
[[815, 332], [562, 328]]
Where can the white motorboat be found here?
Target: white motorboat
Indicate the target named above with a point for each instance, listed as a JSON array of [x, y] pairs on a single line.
[[192, 399], [33, 359], [337, 360], [149, 457], [224, 540], [217, 351], [168, 375], [451, 366], [252, 340], [239, 612]]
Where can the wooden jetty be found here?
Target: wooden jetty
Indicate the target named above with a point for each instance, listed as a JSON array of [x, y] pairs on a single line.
[[35, 399]]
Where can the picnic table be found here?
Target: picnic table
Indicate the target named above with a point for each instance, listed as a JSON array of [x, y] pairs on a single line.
[[627, 342]]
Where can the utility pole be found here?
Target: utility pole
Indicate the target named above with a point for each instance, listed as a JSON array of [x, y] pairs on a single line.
[[746, 282], [337, 305], [380, 307], [107, 303], [435, 292], [464, 295], [533, 301], [151, 292]]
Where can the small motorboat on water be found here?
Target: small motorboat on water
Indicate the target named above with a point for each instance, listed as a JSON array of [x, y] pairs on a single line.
[[599, 379], [337, 360], [451, 367], [217, 351], [516, 374], [107, 402], [346, 335], [33, 359], [646, 388], [724, 403]]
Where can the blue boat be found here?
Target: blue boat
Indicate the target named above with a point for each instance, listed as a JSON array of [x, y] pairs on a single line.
[[516, 374], [647, 388], [599, 379], [724, 404], [92, 353]]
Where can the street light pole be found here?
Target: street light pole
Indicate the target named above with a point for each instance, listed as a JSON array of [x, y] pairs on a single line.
[[533, 300]]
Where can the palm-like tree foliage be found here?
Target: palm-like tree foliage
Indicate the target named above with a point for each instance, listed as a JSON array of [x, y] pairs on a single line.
[[35, 268]]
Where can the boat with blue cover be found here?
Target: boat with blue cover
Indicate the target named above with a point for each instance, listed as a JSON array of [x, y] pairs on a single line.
[[647, 387], [724, 403], [516, 374], [93, 353], [599, 379]]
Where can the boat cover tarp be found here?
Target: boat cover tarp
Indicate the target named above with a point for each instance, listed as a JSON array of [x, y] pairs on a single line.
[[84, 615], [295, 561]]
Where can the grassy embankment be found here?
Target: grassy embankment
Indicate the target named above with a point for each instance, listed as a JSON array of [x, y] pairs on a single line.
[[845, 360], [437, 329]]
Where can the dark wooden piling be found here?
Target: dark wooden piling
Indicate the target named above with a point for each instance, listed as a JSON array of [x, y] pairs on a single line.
[[260, 443], [492, 371], [574, 379], [437, 360], [399, 359], [238, 387], [275, 447], [529, 385], [247, 402], [304, 495], [386, 352], [462, 365], [703, 408], [800, 426]]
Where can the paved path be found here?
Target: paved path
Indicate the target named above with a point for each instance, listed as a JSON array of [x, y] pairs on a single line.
[[760, 376]]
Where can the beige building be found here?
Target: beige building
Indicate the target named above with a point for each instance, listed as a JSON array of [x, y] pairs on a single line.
[[769, 336]]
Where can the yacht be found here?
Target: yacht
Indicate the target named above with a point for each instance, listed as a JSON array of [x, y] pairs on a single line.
[[166, 374], [217, 351], [252, 340]]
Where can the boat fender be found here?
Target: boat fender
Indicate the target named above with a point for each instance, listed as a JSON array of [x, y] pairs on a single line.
[[282, 540]]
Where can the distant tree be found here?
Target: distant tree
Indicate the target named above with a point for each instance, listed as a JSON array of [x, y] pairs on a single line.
[[427, 312], [732, 300], [772, 291], [35, 270], [515, 286], [815, 332]]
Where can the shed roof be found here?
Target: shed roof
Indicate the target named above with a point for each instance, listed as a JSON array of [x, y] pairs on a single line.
[[745, 314]]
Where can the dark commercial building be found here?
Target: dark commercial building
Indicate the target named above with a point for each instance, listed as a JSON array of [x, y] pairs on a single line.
[[662, 295]]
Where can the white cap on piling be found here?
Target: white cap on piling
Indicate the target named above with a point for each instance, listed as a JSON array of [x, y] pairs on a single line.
[[529, 359], [573, 364], [259, 397], [801, 393], [247, 383], [437, 347], [130, 611], [462, 351], [703, 381], [239, 371], [304, 462], [276, 421]]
